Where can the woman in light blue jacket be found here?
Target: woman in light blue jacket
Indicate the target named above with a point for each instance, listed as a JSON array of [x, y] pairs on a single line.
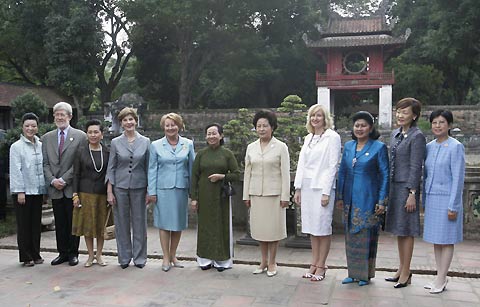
[[169, 174], [27, 184], [443, 187]]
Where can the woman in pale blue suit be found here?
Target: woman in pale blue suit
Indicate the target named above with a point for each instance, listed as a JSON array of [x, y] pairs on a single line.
[[443, 188], [169, 173], [362, 192]]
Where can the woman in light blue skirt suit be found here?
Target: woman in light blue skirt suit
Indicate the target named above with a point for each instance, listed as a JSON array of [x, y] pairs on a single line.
[[443, 188], [169, 173]]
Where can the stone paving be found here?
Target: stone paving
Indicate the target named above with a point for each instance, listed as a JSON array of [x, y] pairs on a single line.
[[44, 285]]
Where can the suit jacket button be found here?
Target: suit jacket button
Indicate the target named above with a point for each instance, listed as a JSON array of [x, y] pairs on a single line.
[[129, 171]]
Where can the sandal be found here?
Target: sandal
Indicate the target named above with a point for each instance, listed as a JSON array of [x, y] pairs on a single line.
[[318, 277], [348, 280], [89, 262], [362, 283], [38, 261], [310, 274], [177, 264], [100, 261]]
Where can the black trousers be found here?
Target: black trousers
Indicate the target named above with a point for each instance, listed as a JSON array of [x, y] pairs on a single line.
[[29, 226], [67, 244]]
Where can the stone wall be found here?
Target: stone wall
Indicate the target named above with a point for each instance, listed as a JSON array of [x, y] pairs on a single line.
[[196, 120], [467, 118]]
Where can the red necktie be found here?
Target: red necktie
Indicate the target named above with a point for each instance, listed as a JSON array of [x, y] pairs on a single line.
[[62, 142]]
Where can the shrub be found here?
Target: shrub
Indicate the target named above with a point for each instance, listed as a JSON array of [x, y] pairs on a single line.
[[29, 102], [292, 116]]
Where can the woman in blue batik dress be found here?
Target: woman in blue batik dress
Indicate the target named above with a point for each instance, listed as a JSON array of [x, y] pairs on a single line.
[[443, 188], [362, 192]]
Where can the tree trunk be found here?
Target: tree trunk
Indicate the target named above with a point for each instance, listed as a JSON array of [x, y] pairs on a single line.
[[106, 94], [78, 106], [184, 89]]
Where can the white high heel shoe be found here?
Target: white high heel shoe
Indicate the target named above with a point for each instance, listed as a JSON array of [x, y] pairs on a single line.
[[442, 288]]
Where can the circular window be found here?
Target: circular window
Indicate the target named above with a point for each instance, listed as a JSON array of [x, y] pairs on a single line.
[[355, 62]]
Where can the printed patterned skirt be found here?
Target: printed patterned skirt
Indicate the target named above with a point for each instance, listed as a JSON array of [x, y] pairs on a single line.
[[361, 250], [89, 220]]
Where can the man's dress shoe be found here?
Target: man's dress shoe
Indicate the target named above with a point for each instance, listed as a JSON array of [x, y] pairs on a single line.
[[73, 261], [59, 260]]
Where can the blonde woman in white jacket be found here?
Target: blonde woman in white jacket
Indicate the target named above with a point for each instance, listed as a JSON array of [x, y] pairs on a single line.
[[315, 186]]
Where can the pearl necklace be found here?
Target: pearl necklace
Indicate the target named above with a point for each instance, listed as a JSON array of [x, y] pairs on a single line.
[[93, 160]]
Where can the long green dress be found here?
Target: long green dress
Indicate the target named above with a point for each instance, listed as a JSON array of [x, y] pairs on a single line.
[[213, 235]]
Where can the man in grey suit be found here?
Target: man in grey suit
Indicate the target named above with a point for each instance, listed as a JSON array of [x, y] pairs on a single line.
[[59, 148]]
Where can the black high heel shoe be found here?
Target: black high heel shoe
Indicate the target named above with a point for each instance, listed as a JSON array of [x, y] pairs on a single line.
[[392, 279], [403, 285]]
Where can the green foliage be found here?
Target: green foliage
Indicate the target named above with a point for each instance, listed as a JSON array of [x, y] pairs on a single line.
[[444, 36], [29, 102], [292, 114], [8, 226], [423, 82], [223, 53], [343, 123], [423, 124], [355, 8], [239, 132], [73, 41]]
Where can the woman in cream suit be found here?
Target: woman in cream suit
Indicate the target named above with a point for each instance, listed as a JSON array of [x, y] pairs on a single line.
[[266, 189], [315, 186], [127, 190]]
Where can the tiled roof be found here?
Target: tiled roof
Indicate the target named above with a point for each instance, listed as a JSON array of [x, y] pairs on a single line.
[[356, 41], [347, 26], [9, 91]]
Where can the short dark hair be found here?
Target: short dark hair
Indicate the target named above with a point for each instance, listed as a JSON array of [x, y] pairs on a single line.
[[29, 116], [219, 129], [445, 114], [410, 102], [374, 135], [268, 115], [93, 122]]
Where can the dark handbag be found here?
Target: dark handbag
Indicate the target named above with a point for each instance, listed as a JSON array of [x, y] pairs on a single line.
[[227, 189]]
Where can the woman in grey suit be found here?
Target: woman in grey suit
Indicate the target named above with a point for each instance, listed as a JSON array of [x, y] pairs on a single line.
[[407, 152], [127, 189]]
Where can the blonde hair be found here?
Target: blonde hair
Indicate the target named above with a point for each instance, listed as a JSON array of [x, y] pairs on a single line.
[[326, 115], [128, 111], [175, 117]]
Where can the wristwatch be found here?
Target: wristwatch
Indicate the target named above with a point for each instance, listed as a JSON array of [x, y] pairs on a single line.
[[412, 192]]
